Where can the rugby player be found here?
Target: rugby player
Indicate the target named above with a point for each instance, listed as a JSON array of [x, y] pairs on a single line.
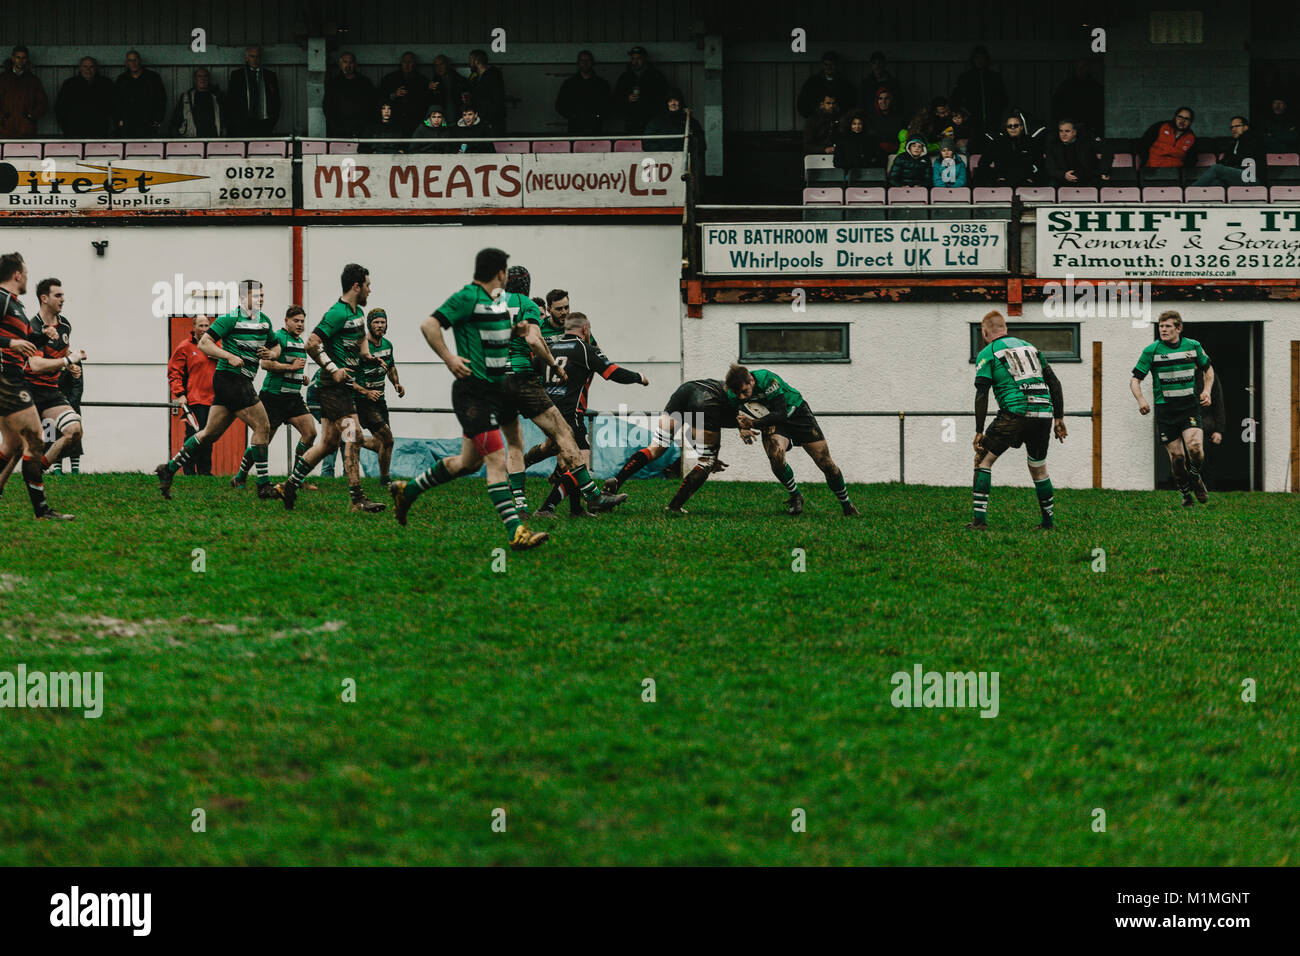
[[281, 393], [372, 409], [1029, 399], [338, 345], [581, 361], [20, 425], [480, 319], [788, 421], [698, 410], [1175, 360], [247, 338]]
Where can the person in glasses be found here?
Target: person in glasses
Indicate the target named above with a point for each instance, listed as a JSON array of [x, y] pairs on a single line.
[[1012, 157], [1242, 164], [1170, 144]]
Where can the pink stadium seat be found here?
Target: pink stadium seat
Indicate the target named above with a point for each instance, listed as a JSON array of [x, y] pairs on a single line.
[[1247, 194], [1076, 194], [908, 195], [865, 196], [1162, 194], [335, 148], [627, 146], [1204, 194], [1284, 193], [313, 147], [591, 146], [1121, 194], [28, 150], [1036, 193], [992, 194], [946, 196], [102, 151], [1123, 161], [268, 147], [823, 197], [973, 162], [144, 149], [184, 149], [550, 146], [1206, 159], [228, 149], [1283, 159], [63, 149], [513, 146]]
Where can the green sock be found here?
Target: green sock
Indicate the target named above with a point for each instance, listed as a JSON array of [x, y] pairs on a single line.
[[245, 464], [183, 456], [300, 470], [836, 484], [586, 487], [259, 465], [437, 475], [516, 479], [983, 484], [1046, 498], [787, 478], [504, 502]]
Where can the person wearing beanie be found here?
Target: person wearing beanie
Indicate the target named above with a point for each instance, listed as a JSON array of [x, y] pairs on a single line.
[[1012, 157], [911, 167], [949, 166]]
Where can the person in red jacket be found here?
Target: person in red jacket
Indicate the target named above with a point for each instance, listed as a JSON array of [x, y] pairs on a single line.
[[1170, 144], [189, 373]]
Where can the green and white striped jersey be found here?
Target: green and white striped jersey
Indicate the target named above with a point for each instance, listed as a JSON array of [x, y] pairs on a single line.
[[371, 374], [483, 329], [243, 334], [1174, 382], [1016, 370], [292, 348], [341, 330]]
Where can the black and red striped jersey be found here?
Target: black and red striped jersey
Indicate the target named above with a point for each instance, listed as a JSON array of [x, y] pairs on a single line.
[[54, 341], [13, 325], [581, 361]]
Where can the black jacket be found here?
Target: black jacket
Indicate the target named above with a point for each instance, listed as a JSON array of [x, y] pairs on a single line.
[[983, 95], [433, 139], [856, 150], [819, 131], [1215, 417], [237, 105], [650, 100], [141, 104], [1247, 146], [583, 102], [87, 110], [488, 94], [1012, 160], [1080, 156], [349, 104], [818, 86], [411, 108]]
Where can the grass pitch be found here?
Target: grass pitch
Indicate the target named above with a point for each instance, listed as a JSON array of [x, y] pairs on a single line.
[[1119, 689]]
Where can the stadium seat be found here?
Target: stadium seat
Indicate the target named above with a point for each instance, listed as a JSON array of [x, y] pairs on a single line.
[[864, 196], [1247, 194], [24, 150], [627, 146], [1121, 194], [988, 194], [1162, 193], [144, 149], [908, 196], [1123, 171], [513, 146], [102, 151], [819, 170], [1036, 193], [335, 148], [1206, 159], [591, 146], [551, 146], [227, 149], [1159, 175], [972, 163], [72, 150], [313, 147], [950, 196], [268, 147], [1283, 168], [823, 197], [1205, 194], [184, 149], [1284, 193], [1076, 194]]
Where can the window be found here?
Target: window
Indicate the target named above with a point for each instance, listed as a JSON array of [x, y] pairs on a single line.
[[1058, 341], [793, 342]]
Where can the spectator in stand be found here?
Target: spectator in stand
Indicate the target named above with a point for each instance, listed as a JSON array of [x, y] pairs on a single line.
[[350, 100], [445, 87], [911, 167], [1071, 158], [189, 373], [1170, 144], [854, 148], [406, 89], [433, 135], [87, 103], [885, 124], [819, 129], [671, 121], [22, 97], [1081, 98], [950, 168], [583, 98], [253, 97], [962, 131], [1013, 157], [198, 113], [638, 92], [940, 127], [826, 82], [1246, 153], [384, 126], [981, 92], [486, 90], [1279, 129], [141, 100], [473, 125], [879, 75]]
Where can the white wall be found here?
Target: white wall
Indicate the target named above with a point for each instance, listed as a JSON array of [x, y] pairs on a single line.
[[916, 357]]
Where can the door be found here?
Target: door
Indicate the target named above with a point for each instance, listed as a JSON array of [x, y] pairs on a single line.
[[229, 449], [1236, 354]]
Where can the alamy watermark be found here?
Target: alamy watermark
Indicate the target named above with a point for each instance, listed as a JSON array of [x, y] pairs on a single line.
[[922, 688], [1098, 300], [79, 690]]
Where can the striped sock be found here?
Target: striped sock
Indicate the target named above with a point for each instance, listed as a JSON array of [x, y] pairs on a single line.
[[437, 475], [300, 472], [586, 487], [516, 479], [1046, 498], [983, 484], [558, 491], [76, 465], [787, 478], [504, 502], [35, 485], [246, 463], [184, 455], [836, 484], [259, 464]]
